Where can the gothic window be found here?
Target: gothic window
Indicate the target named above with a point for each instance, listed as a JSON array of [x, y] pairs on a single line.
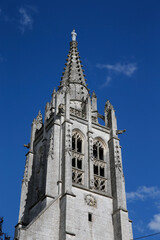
[[99, 166], [77, 158], [98, 151], [98, 170], [76, 143]]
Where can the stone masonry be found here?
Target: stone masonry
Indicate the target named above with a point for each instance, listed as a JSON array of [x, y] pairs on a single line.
[[73, 186]]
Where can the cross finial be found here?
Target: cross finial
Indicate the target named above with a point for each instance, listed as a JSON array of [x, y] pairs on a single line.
[[74, 34]]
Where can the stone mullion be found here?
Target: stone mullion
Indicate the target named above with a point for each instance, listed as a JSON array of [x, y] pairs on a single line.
[[98, 169], [76, 143], [76, 157], [98, 152]]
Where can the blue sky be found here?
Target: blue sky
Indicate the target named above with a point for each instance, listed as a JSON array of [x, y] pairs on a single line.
[[120, 50]]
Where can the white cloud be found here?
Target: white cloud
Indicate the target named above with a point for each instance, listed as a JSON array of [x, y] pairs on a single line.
[[107, 82], [124, 68], [140, 226], [26, 19], [142, 193], [155, 223]]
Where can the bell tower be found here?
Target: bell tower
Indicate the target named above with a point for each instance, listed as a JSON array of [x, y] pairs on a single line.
[[73, 185]]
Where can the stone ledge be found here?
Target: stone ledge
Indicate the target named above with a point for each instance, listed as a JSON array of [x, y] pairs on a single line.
[[91, 190], [114, 137], [29, 153], [120, 209], [68, 193], [70, 233], [42, 212], [41, 199]]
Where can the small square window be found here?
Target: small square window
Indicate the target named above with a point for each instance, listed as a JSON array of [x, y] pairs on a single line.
[[90, 217]]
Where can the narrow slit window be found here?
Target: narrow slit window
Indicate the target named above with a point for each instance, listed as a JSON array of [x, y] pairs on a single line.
[[79, 163], [95, 151], [73, 143], [101, 153], [96, 170], [101, 171], [90, 217], [79, 145], [73, 162]]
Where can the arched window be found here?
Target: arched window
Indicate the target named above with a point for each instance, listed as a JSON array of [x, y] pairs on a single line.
[[98, 151], [77, 158], [99, 165], [76, 143]]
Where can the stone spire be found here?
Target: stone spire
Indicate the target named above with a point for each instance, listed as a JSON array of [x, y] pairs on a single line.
[[73, 75]]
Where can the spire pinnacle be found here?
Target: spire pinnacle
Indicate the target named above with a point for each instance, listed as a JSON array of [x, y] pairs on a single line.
[[73, 75], [74, 34]]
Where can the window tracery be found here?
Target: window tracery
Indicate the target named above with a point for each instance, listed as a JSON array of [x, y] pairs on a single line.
[[77, 158], [99, 166], [98, 150]]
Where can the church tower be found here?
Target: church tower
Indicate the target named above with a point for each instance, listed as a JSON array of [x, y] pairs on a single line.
[[73, 186]]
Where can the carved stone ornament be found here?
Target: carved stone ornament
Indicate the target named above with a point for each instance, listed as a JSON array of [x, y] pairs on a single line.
[[47, 111], [118, 157], [120, 131], [68, 142], [51, 145], [25, 177], [38, 121], [90, 200], [108, 106], [92, 183], [61, 108], [91, 147]]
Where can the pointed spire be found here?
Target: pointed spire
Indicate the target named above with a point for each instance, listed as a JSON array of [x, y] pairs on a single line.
[[39, 120], [53, 100], [108, 106], [39, 117], [54, 91], [94, 95], [73, 72]]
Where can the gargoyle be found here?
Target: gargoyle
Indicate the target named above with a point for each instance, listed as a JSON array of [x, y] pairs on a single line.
[[120, 131], [27, 145]]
